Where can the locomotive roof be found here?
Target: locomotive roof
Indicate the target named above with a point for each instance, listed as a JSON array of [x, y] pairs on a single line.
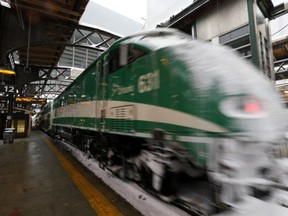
[[155, 39], [151, 40]]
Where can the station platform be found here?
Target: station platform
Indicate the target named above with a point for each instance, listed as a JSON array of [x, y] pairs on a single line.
[[38, 177]]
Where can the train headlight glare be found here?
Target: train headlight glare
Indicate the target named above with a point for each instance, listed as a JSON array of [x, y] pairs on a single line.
[[242, 107]]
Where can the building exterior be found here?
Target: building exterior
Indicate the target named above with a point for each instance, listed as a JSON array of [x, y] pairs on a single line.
[[161, 10], [279, 33], [240, 24], [279, 25]]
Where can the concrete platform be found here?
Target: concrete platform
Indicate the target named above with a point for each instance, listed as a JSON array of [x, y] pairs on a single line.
[[34, 181]]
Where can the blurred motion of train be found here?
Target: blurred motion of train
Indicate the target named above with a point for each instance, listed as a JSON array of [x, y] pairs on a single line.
[[158, 107]]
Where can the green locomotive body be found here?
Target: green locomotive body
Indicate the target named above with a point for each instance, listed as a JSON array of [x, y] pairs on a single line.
[[192, 101]]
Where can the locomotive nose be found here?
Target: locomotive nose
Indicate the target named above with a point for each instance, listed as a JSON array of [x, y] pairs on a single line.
[[242, 107], [262, 119]]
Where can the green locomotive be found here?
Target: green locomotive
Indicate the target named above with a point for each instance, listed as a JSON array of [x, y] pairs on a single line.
[[158, 104]]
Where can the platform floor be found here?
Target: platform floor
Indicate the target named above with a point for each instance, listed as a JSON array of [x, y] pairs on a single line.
[[39, 178]]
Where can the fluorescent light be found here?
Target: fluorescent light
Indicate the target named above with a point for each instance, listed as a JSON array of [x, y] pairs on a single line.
[[8, 72]]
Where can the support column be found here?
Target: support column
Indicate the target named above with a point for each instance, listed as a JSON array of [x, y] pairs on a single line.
[[10, 110], [252, 28]]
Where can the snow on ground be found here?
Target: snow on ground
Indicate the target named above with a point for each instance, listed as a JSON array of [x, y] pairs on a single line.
[[150, 206], [256, 207], [135, 195]]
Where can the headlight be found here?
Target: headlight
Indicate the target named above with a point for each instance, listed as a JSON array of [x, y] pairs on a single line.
[[242, 107]]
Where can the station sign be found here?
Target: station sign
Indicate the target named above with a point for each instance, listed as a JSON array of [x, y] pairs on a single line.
[[8, 88], [24, 100], [31, 100]]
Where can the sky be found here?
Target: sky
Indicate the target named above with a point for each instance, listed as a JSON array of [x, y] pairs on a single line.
[[134, 9]]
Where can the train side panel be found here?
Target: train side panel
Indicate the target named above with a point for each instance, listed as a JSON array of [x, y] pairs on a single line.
[[75, 107]]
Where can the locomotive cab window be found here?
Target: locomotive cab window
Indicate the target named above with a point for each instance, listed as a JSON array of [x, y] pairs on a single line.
[[130, 53], [135, 53], [114, 61]]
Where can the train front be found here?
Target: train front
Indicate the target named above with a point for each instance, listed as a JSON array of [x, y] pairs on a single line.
[[224, 89]]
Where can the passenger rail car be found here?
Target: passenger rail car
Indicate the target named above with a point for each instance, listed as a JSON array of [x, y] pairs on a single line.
[[45, 122], [160, 105]]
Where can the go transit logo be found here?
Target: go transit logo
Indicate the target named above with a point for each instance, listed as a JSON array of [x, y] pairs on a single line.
[[149, 82]]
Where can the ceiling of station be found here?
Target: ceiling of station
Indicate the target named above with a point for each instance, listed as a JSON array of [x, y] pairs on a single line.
[[33, 37], [38, 29]]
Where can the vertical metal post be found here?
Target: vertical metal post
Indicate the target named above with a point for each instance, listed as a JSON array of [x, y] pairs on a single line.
[[252, 28], [10, 110], [28, 45]]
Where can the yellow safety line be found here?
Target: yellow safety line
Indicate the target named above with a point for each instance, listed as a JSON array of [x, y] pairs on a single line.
[[96, 199]]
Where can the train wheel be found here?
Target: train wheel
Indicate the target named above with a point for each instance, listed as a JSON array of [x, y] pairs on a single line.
[[124, 171], [146, 177], [102, 164], [217, 199], [169, 184], [93, 148], [103, 152]]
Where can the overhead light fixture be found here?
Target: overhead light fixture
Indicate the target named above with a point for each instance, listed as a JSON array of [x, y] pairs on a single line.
[[5, 3], [7, 72]]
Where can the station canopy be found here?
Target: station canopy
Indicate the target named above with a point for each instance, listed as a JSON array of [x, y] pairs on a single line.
[[39, 40]]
